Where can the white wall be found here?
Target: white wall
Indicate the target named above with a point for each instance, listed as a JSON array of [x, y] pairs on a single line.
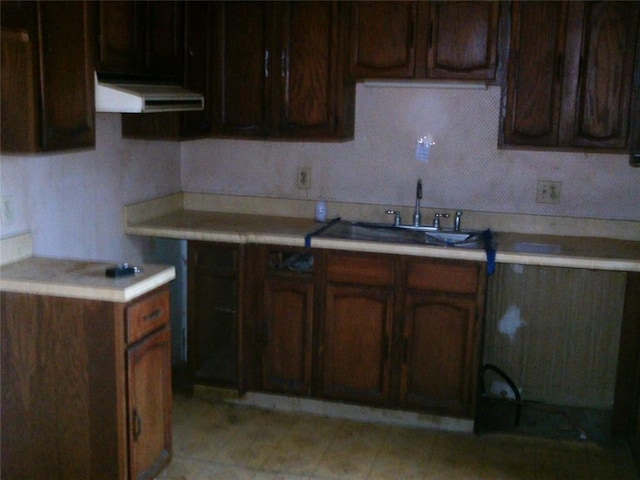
[[466, 170], [72, 203]]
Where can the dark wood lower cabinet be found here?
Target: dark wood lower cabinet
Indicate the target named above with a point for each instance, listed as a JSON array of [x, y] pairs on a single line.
[[278, 335], [403, 332], [85, 387], [357, 328], [213, 313], [385, 330]]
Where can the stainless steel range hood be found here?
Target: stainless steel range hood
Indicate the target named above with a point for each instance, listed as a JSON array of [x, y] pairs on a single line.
[[132, 97]]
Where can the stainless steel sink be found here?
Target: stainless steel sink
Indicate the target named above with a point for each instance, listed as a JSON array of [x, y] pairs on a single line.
[[423, 235]]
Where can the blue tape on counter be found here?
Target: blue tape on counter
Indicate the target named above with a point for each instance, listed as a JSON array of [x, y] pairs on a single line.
[[490, 250], [307, 237]]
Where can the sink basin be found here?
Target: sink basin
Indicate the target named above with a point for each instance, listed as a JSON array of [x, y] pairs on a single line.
[[423, 235]]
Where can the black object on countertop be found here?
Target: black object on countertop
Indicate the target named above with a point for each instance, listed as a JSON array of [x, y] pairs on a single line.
[[123, 270]]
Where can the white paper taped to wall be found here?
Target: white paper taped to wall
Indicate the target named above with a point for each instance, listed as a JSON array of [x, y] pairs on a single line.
[[511, 322], [423, 148]]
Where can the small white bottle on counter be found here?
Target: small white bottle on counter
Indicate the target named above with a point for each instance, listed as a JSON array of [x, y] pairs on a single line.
[[321, 211]]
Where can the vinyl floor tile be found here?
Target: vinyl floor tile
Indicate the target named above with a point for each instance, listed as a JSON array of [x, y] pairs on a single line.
[[217, 440]]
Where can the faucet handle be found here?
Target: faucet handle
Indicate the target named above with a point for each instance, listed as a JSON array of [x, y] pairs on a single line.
[[396, 219], [437, 217]]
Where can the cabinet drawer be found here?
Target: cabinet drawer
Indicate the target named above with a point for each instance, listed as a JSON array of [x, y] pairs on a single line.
[[147, 314], [443, 276], [360, 269]]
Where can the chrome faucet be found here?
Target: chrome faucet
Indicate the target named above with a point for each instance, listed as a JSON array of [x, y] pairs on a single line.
[[456, 221], [416, 213]]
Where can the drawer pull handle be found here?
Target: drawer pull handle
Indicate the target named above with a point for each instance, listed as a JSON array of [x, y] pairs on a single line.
[[137, 425], [153, 315]]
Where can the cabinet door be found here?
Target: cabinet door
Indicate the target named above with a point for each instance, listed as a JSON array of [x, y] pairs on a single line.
[[463, 40], [119, 36], [213, 313], [288, 317], [141, 38], [438, 369], [535, 73], [164, 39], [243, 76], [149, 401], [199, 41], [356, 343], [597, 109], [66, 75], [382, 39], [310, 71]]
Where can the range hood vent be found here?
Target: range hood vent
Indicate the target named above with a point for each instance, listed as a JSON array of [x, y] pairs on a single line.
[[132, 97]]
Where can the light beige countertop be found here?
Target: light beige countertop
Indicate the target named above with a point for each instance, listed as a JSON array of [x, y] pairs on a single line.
[[80, 279], [174, 218]]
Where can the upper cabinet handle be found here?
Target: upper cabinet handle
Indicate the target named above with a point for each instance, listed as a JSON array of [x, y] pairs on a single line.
[[266, 63]]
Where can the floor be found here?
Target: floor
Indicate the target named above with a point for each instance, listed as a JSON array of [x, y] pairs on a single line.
[[218, 440]]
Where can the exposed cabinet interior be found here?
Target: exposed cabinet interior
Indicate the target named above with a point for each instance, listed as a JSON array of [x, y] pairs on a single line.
[[47, 83], [81, 398], [557, 350], [213, 313]]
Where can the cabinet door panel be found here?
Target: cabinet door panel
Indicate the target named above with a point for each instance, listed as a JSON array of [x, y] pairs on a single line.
[[308, 63], [119, 41], [382, 39], [198, 76], [535, 76], [606, 73], [164, 39], [149, 388], [66, 73], [287, 355], [463, 40], [243, 78], [356, 343], [438, 371]]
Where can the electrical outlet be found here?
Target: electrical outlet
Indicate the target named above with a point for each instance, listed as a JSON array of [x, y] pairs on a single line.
[[548, 192], [304, 178], [7, 210]]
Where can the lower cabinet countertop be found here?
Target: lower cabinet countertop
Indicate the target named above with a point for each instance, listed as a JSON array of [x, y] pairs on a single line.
[[517, 248], [80, 279]]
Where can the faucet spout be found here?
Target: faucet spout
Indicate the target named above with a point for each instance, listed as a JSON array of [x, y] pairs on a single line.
[[416, 213]]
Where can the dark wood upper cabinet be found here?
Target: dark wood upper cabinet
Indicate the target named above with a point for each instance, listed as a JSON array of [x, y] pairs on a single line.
[[243, 69], [605, 66], [278, 71], [141, 38], [535, 73], [440, 40], [571, 74], [463, 39], [47, 76], [383, 38]]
